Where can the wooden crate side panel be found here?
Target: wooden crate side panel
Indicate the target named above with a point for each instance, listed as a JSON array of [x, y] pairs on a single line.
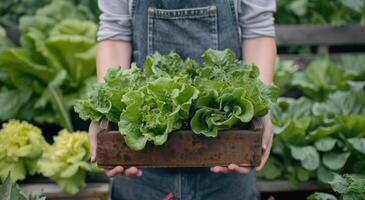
[[183, 149]]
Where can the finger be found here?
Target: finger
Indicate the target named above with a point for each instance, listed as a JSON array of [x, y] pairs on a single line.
[[237, 169], [139, 173], [115, 171], [93, 130], [132, 171], [219, 169], [265, 156]]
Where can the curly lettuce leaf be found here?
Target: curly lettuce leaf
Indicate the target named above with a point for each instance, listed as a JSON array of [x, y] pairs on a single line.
[[21, 145], [67, 160], [220, 108], [155, 110]]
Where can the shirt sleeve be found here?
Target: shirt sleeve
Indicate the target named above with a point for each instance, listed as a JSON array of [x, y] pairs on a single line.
[[256, 18], [114, 21]]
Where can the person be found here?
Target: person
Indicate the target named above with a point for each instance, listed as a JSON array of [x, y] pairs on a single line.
[[129, 30]]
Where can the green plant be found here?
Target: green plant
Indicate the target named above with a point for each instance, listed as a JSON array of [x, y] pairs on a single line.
[[323, 131], [349, 186], [67, 161], [12, 10], [21, 145], [219, 94], [52, 68], [335, 12], [11, 191]]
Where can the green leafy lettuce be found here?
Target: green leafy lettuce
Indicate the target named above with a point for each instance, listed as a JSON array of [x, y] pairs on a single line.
[[52, 67], [321, 78], [155, 110], [21, 145], [172, 93], [67, 161]]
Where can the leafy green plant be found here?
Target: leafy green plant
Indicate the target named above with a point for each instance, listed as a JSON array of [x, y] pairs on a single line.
[[321, 78], [349, 186], [4, 41], [284, 72], [11, 191], [12, 10], [218, 94], [314, 139], [336, 12], [21, 145], [67, 161], [51, 68]]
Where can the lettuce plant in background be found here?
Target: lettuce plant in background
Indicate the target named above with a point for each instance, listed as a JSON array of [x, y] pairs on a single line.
[[11, 191], [335, 12], [322, 131], [348, 186], [67, 161], [12, 10], [21, 145], [4, 41], [53, 66], [284, 72], [172, 93]]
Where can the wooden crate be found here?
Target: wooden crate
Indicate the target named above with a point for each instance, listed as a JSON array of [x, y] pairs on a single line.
[[184, 149]]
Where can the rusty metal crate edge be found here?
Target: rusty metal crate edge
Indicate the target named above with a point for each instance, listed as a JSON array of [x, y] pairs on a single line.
[[184, 149]]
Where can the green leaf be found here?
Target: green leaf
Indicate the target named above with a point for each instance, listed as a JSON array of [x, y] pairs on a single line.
[[12, 101], [320, 79], [272, 169], [341, 103], [67, 160], [303, 175], [10, 191], [321, 132], [321, 196], [353, 65], [358, 144], [308, 156], [356, 5], [324, 175], [325, 144], [299, 7], [339, 184], [335, 161]]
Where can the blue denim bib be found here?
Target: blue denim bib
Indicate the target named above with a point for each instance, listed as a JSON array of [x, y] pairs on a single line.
[[188, 27]]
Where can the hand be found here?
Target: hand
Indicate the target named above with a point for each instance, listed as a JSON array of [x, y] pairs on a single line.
[[94, 129], [267, 138]]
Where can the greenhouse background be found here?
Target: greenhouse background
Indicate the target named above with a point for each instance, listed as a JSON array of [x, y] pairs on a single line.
[[47, 62]]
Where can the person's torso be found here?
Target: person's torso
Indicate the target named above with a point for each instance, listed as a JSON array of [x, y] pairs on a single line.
[[188, 27]]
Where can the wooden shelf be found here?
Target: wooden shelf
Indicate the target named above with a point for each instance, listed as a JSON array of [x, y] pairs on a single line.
[[93, 191]]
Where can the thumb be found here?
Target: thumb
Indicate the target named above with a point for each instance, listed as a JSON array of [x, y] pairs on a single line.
[[93, 131]]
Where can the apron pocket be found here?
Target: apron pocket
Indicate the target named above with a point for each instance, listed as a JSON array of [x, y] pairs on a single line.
[[188, 32]]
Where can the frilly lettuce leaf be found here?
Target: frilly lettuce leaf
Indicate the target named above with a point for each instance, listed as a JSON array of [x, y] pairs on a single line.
[[223, 91], [155, 110], [221, 109], [67, 160], [21, 144]]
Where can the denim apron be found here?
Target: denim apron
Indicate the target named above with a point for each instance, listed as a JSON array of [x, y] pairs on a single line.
[[188, 27]]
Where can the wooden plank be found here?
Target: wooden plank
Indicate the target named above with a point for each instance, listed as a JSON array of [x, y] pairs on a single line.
[[320, 35], [283, 186], [184, 149], [93, 191]]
